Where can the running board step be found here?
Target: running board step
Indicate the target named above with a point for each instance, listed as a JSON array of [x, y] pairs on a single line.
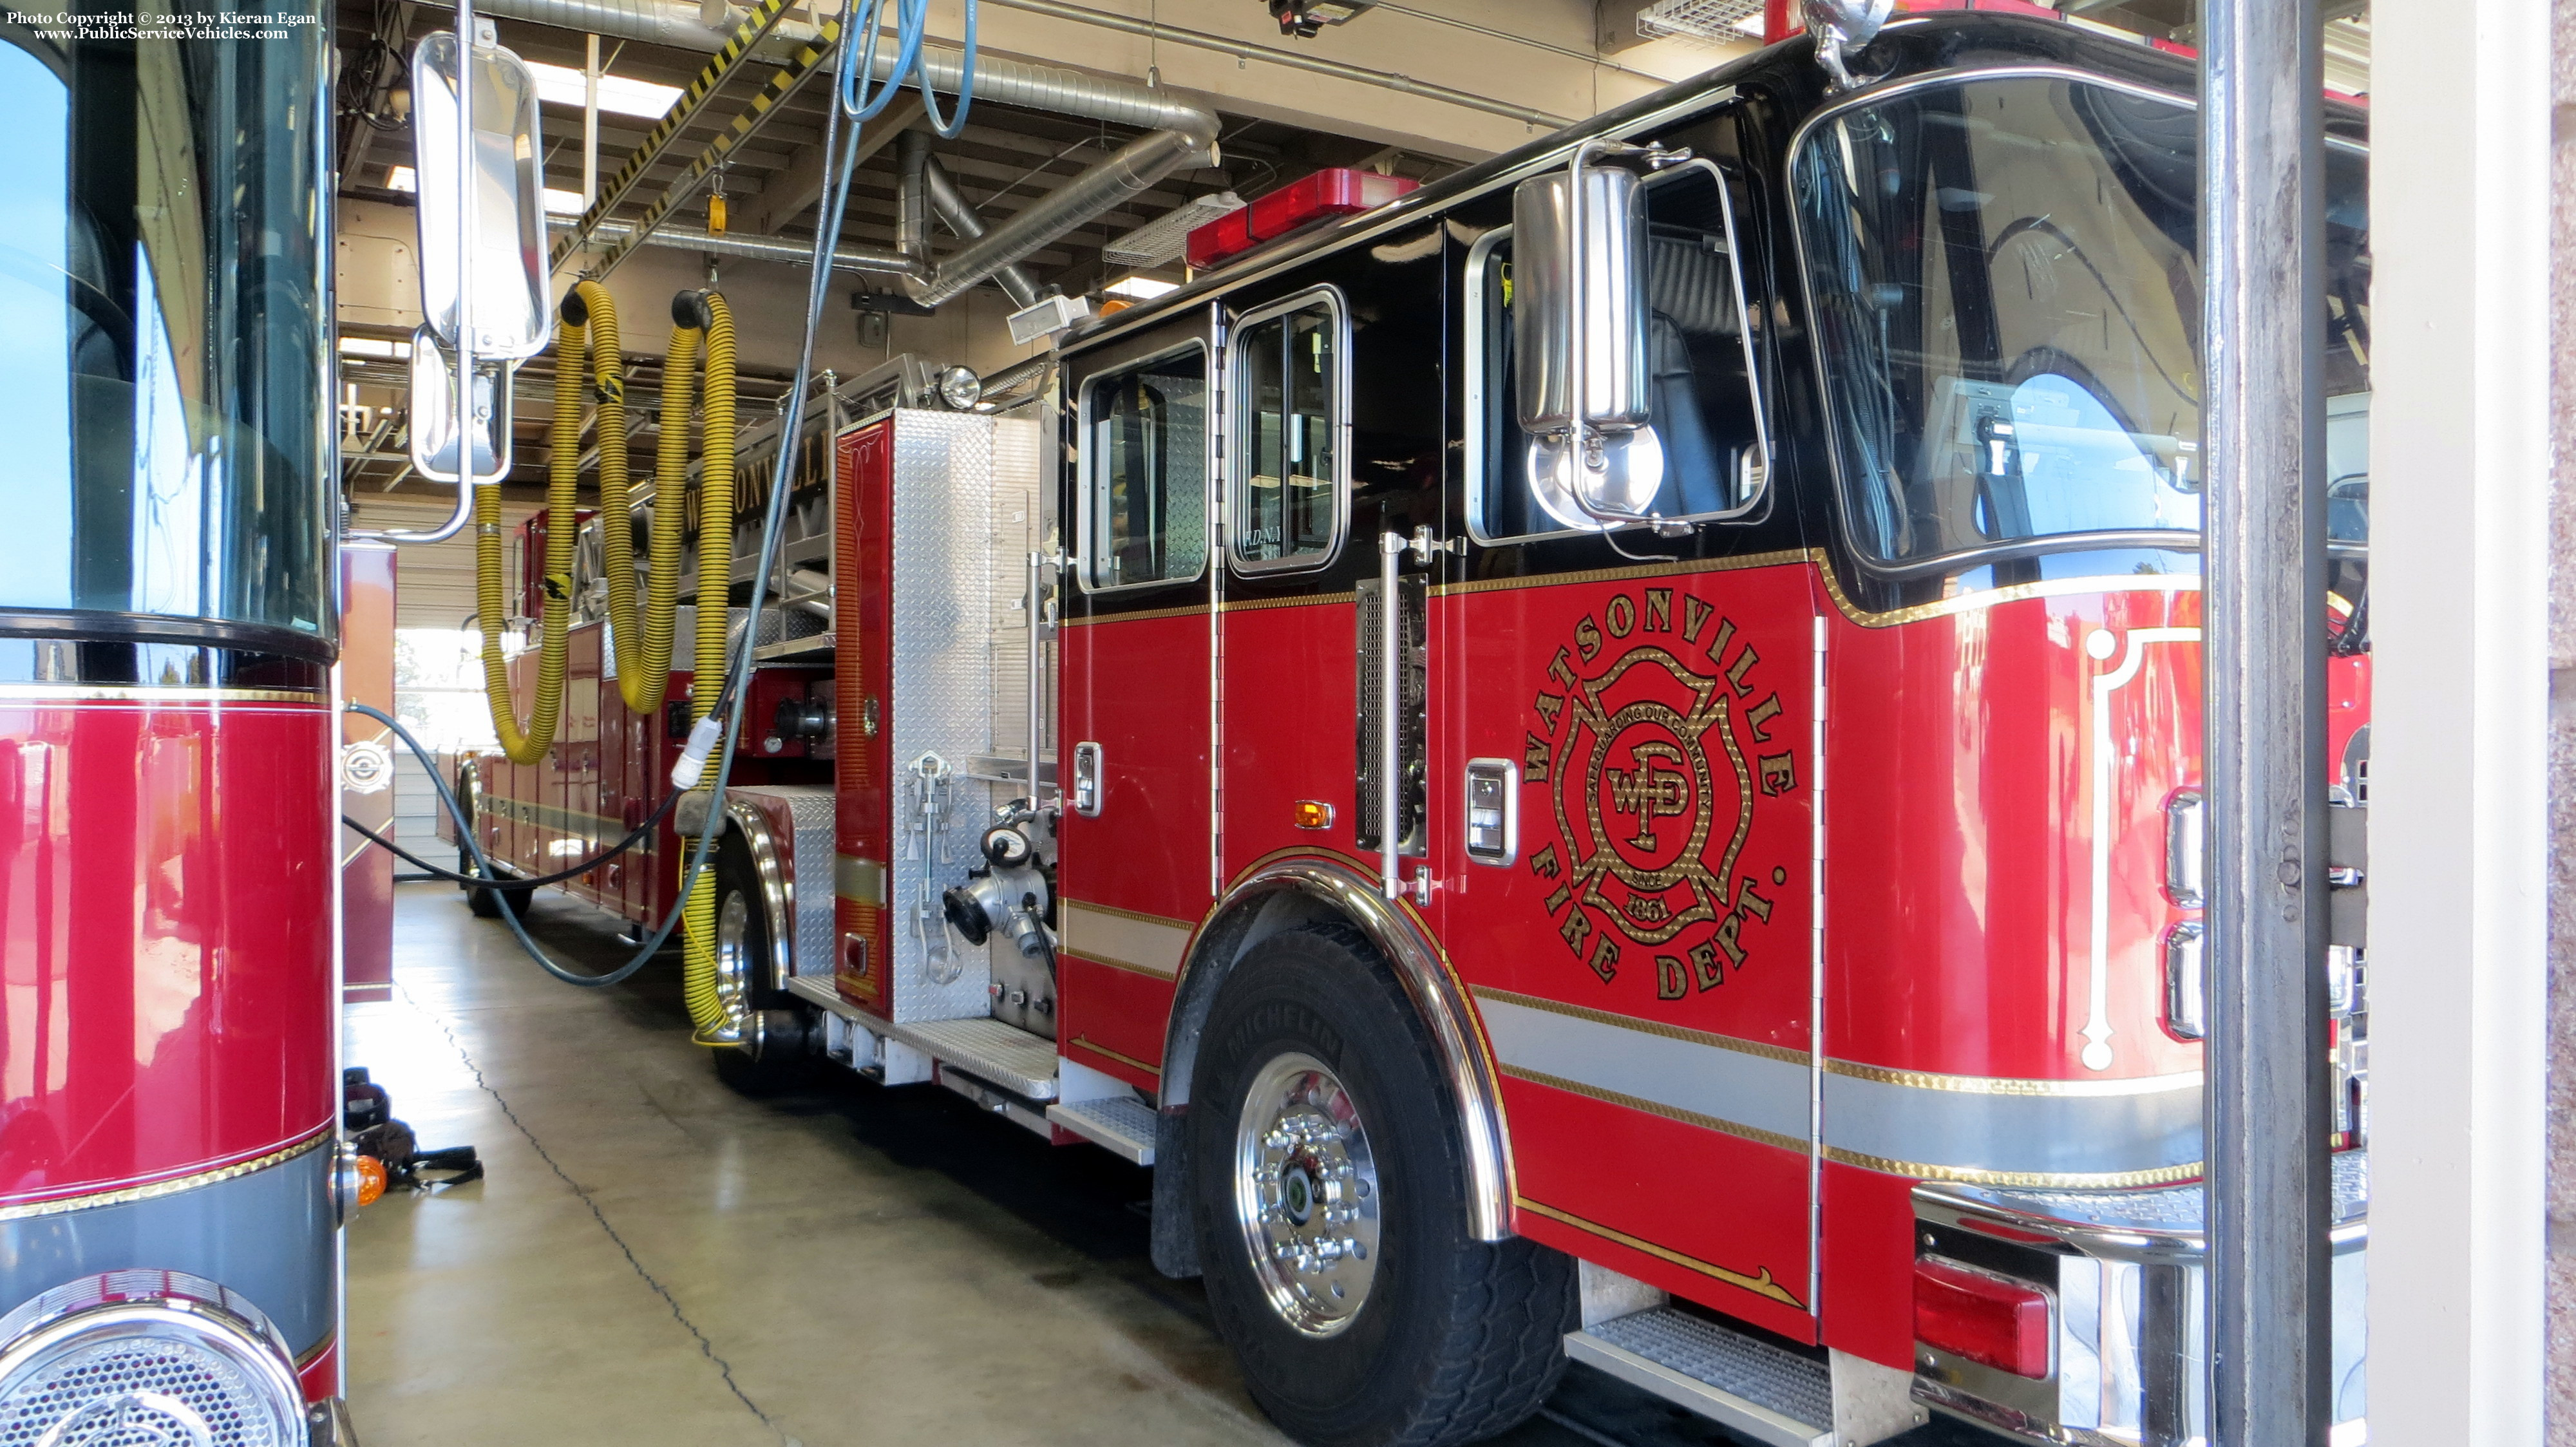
[[1006, 1055], [1766, 1392], [1123, 1125]]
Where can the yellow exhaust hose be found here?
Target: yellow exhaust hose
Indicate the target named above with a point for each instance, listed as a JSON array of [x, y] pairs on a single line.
[[563, 480], [715, 573], [643, 668]]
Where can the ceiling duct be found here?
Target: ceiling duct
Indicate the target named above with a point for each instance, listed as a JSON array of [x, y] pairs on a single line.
[[1177, 132], [1160, 240]]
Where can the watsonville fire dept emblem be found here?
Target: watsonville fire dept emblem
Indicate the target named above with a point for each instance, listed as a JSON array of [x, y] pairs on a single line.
[[1656, 742]]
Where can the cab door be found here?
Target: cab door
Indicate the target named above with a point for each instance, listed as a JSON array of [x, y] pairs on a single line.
[[1334, 438], [1138, 827], [1621, 767]]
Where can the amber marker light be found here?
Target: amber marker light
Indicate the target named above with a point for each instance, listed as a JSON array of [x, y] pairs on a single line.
[[371, 1180], [1314, 814]]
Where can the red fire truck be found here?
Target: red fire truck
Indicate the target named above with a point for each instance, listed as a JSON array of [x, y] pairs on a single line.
[[1596, 761], [170, 1181]]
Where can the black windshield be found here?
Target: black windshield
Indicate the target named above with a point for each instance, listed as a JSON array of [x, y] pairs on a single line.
[[2008, 301], [163, 382]]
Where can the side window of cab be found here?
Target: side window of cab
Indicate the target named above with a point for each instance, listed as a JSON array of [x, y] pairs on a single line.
[[1144, 452], [1290, 474]]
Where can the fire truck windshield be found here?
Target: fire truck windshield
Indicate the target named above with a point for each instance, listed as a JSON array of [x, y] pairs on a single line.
[[2007, 306], [164, 383]]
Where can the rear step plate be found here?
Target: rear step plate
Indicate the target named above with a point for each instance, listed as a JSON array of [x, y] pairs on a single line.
[[1766, 1392], [1123, 1124], [1011, 1058]]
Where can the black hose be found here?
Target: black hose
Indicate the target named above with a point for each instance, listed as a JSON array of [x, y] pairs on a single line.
[[510, 917], [729, 702], [660, 812]]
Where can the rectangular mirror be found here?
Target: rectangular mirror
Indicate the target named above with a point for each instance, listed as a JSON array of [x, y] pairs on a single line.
[[507, 257], [433, 414], [1611, 261]]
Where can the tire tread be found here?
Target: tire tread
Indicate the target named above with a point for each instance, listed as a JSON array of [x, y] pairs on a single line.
[[1502, 1345]]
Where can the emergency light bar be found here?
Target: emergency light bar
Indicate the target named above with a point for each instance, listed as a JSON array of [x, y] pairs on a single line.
[[1339, 191]]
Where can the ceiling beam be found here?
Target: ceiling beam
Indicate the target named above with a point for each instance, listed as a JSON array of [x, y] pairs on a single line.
[[793, 191]]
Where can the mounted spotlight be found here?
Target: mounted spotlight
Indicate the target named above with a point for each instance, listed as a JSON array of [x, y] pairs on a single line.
[[1303, 18]]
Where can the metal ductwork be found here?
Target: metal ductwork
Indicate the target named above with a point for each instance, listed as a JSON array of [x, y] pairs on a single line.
[[912, 197], [1130, 172], [922, 186], [1007, 82], [959, 217], [1177, 133], [864, 260]]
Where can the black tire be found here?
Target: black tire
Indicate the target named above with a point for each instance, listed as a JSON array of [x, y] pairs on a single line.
[[486, 900], [782, 1026], [1455, 1340]]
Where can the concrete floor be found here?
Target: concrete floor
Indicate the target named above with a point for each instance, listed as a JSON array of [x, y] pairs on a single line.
[[653, 1259]]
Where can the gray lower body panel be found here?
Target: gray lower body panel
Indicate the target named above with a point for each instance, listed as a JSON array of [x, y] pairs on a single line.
[[268, 1234]]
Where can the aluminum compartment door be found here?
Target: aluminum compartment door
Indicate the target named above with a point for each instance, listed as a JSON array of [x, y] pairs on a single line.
[[1139, 827]]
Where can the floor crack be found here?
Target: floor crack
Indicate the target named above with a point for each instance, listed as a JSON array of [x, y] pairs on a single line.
[[582, 1193]]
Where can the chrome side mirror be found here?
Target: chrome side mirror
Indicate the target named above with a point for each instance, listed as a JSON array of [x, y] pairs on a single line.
[[1840, 27], [432, 422], [1580, 331], [481, 206]]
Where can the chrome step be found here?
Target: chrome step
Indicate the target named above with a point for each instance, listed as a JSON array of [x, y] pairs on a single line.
[[1766, 1392], [1122, 1124], [1012, 1058]]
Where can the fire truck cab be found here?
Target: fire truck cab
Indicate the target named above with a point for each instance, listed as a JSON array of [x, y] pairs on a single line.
[[1600, 759]]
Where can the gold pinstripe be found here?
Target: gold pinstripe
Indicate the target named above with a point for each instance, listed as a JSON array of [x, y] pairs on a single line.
[[1760, 1284], [1943, 607], [170, 1187]]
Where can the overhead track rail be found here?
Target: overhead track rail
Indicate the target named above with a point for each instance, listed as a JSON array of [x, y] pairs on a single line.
[[763, 19], [1176, 133]]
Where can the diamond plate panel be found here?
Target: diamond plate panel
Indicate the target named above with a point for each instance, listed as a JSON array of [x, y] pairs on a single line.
[[965, 495]]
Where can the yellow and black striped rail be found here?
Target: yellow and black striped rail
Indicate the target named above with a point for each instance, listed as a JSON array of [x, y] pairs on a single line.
[[720, 68], [764, 107]]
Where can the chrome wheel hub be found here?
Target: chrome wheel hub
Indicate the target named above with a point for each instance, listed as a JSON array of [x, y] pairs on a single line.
[[1306, 1194], [734, 966]]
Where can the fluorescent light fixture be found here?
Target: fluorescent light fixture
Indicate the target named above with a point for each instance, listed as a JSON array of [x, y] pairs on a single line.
[[618, 94], [371, 347], [402, 178], [1140, 288]]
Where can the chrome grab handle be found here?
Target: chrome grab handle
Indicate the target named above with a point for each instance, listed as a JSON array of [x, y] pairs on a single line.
[[1037, 676], [1391, 548]]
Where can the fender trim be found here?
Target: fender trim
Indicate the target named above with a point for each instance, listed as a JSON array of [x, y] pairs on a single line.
[[1437, 994]]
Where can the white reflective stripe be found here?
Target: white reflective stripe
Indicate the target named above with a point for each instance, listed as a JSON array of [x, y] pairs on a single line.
[[2014, 1133], [1142, 943], [2033, 1133], [1744, 1087]]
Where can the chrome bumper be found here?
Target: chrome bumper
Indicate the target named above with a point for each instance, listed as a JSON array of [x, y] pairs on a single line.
[[2125, 1271], [330, 1420]]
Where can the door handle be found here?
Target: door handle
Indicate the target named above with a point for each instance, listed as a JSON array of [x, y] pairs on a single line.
[[1086, 780]]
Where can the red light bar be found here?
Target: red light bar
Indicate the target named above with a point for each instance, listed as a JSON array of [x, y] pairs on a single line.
[[1339, 191], [1986, 1318]]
